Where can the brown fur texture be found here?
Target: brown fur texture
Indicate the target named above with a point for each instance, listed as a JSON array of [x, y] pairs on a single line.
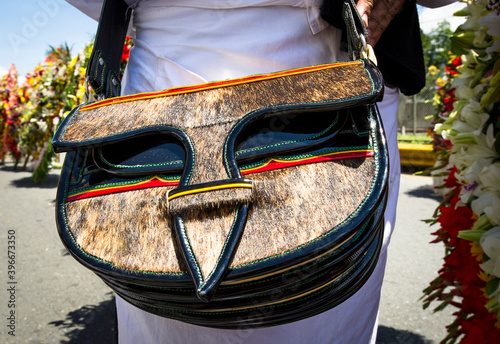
[[296, 205], [129, 229], [290, 207], [209, 145], [216, 106], [207, 234]]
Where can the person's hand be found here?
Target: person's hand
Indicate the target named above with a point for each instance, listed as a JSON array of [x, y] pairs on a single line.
[[377, 14]]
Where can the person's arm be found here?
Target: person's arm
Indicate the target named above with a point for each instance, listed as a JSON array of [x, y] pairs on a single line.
[[377, 15]]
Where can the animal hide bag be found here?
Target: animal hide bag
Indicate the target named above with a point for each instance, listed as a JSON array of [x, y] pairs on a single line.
[[249, 202]]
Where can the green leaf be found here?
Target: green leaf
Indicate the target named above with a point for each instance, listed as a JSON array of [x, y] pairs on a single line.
[[492, 286], [482, 223], [471, 234]]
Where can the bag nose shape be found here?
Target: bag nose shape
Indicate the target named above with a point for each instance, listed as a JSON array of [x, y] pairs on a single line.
[[207, 208]]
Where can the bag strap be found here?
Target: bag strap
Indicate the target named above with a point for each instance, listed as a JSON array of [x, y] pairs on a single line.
[[357, 34], [103, 69]]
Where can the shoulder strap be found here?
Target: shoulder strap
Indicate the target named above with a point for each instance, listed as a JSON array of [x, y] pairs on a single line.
[[103, 69], [399, 50], [357, 35], [344, 15]]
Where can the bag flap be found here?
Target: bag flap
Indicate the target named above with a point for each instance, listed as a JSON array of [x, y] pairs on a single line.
[[332, 86]]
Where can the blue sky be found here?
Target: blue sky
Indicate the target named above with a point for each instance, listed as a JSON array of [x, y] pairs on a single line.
[[29, 27]]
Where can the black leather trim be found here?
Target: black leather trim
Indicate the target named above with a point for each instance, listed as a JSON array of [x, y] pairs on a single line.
[[105, 60], [206, 288], [150, 154]]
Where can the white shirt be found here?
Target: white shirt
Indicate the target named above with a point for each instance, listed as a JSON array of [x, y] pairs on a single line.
[[195, 41]]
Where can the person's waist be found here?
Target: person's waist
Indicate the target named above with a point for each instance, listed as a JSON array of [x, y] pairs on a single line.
[[174, 15]]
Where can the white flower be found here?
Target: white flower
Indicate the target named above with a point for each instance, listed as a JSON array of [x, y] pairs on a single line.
[[469, 65], [491, 266], [463, 91], [474, 13], [494, 47], [490, 177], [493, 211], [469, 177], [490, 136], [461, 127], [490, 243], [42, 126], [491, 22], [489, 203], [472, 114], [61, 71], [481, 150]]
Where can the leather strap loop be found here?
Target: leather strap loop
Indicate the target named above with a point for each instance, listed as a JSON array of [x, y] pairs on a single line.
[[356, 30], [104, 65]]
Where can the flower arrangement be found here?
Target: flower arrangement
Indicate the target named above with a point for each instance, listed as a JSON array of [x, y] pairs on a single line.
[[51, 93], [467, 173], [30, 113], [10, 110]]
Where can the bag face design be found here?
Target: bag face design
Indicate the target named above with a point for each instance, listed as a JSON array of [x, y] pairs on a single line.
[[232, 203]]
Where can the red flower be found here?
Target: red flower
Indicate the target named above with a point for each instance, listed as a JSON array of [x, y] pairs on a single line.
[[452, 181], [126, 50], [456, 197], [449, 100], [454, 220], [457, 61], [480, 328], [451, 68]]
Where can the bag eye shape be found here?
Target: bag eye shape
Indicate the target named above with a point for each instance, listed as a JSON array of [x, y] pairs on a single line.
[[277, 133], [297, 132], [156, 153]]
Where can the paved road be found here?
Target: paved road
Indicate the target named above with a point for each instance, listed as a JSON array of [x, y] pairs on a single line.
[[412, 264], [58, 301]]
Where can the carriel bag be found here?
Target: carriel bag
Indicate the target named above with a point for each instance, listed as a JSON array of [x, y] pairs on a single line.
[[249, 202]]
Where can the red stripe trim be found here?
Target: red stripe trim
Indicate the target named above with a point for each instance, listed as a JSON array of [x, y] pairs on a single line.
[[273, 164], [217, 84], [150, 183], [276, 164]]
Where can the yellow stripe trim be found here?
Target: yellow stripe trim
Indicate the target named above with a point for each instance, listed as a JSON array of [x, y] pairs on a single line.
[[210, 188]]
